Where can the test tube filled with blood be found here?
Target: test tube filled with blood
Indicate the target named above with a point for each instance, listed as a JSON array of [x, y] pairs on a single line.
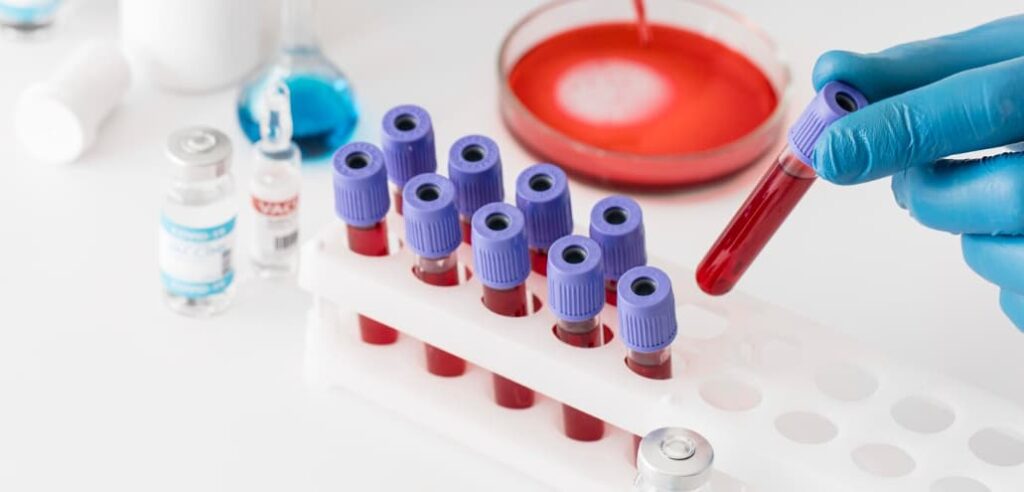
[[778, 192], [617, 224], [361, 201], [502, 263], [647, 321], [474, 167], [432, 233], [542, 193], [576, 297], [407, 140]]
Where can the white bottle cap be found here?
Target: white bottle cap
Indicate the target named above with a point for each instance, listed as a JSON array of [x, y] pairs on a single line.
[[57, 119]]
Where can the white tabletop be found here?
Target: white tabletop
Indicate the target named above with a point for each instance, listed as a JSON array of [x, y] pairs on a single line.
[[103, 388]]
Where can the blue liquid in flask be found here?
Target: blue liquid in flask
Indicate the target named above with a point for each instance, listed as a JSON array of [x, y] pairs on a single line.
[[324, 114]]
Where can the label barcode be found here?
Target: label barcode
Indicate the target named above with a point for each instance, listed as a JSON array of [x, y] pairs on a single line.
[[285, 242], [225, 262]]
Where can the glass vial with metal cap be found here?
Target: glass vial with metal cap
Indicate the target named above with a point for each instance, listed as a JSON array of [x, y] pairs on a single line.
[[197, 224], [275, 188], [673, 459]]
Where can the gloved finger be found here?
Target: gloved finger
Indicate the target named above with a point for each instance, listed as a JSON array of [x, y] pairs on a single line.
[[908, 66], [998, 259], [979, 196], [1013, 306], [977, 109]]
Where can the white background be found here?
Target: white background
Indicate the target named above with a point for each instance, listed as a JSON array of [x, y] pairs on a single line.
[[103, 388]]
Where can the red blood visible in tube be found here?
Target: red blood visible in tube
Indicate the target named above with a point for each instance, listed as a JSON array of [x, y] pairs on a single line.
[[467, 230], [372, 241], [439, 362], [754, 224], [539, 261], [509, 302], [659, 371], [579, 425], [611, 292]]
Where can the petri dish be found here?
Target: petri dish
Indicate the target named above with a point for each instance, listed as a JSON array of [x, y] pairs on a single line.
[[699, 95]]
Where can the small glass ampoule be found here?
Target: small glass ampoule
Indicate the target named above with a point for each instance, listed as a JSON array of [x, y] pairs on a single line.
[[275, 188], [197, 225]]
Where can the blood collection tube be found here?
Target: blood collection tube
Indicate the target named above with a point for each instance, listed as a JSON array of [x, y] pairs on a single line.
[[408, 144], [647, 321], [474, 166], [576, 297], [361, 201], [673, 459], [502, 263], [432, 232], [617, 224], [542, 193], [778, 192]]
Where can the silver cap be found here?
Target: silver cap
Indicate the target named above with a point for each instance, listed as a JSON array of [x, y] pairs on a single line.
[[199, 153], [674, 459]]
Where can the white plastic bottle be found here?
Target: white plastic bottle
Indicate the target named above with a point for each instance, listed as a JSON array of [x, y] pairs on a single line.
[[197, 226], [275, 188]]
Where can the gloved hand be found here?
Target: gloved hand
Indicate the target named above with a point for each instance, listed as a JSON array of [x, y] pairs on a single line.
[[933, 99]]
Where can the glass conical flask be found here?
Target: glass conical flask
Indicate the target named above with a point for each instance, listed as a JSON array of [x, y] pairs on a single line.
[[323, 110]]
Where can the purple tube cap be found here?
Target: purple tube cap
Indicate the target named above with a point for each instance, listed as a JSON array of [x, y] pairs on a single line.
[[431, 221], [575, 278], [617, 224], [542, 193], [360, 184], [500, 255], [647, 310], [832, 102], [474, 166], [408, 143]]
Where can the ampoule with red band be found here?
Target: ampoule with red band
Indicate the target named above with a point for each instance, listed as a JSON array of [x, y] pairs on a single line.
[[361, 201], [617, 224], [474, 167], [542, 193], [502, 263], [432, 233], [407, 139], [778, 192], [576, 297]]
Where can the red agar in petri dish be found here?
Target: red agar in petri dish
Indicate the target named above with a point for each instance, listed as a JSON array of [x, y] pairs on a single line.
[[605, 102]]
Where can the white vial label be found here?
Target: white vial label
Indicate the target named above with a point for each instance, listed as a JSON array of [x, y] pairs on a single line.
[[196, 262], [276, 231]]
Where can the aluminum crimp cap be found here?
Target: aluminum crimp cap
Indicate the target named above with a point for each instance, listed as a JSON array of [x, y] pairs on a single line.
[[431, 221], [832, 102], [647, 310], [360, 184], [542, 193], [575, 278], [500, 255], [617, 224], [474, 166], [673, 458], [408, 143]]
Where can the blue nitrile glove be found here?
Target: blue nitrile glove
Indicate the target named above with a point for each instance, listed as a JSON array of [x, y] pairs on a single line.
[[933, 99]]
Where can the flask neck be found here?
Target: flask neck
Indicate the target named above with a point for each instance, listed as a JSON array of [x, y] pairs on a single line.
[[298, 25]]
